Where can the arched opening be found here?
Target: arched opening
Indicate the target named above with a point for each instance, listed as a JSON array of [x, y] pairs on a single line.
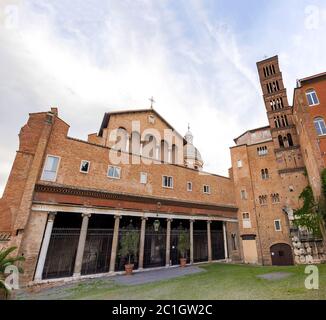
[[286, 142], [174, 154], [281, 254], [134, 143], [320, 126], [149, 147], [280, 141], [164, 149], [290, 140], [122, 139]]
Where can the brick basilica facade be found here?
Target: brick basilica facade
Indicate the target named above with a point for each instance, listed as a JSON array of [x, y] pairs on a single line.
[[68, 202]]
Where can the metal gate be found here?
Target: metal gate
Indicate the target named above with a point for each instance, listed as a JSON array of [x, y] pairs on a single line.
[[217, 245], [155, 245], [60, 259], [97, 252], [200, 246], [174, 253]]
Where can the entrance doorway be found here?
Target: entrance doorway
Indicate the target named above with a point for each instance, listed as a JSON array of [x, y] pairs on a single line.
[[281, 254]]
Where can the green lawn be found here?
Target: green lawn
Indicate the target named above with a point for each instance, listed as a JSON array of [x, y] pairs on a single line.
[[220, 281]]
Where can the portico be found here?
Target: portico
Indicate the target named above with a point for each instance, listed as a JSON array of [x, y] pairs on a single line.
[[80, 241]]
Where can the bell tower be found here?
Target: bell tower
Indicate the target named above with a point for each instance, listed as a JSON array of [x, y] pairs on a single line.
[[280, 117]]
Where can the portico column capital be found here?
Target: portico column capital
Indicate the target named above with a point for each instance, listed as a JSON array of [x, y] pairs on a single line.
[[51, 216], [86, 215]]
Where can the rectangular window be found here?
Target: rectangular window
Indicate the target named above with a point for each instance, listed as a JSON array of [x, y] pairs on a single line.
[[143, 177], [246, 220], [262, 151], [243, 194], [207, 189], [50, 169], [277, 225], [239, 163], [114, 172], [84, 166], [312, 97], [167, 182], [189, 186]]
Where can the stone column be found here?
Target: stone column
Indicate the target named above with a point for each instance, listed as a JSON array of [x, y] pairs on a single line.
[[81, 245], [191, 241], [168, 242], [44, 247], [226, 252], [142, 243], [114, 243], [209, 241]]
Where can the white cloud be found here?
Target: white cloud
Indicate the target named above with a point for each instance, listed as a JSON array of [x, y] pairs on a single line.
[[90, 57]]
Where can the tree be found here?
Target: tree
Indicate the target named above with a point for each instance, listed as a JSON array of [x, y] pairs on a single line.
[[312, 214], [6, 261], [129, 242], [183, 242]]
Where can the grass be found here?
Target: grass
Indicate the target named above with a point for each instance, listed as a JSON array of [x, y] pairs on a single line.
[[220, 281]]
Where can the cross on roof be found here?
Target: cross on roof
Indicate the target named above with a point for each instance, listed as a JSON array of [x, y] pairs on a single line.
[[152, 101]]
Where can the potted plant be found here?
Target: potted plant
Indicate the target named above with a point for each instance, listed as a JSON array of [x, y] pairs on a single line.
[[6, 261], [129, 246], [183, 246]]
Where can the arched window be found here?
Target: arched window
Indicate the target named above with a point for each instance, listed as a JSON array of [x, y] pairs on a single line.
[[264, 174], [283, 121], [134, 143], [312, 97], [149, 147], [280, 141], [164, 148], [281, 100], [286, 120], [122, 139], [174, 154], [320, 126], [290, 140]]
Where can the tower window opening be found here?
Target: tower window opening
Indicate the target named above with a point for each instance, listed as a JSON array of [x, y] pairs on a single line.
[[280, 141], [264, 174], [290, 140]]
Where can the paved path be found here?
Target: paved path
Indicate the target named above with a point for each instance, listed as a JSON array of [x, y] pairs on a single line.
[[65, 291], [275, 275], [156, 275]]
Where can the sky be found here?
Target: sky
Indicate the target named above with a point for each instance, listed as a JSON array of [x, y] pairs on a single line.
[[196, 58]]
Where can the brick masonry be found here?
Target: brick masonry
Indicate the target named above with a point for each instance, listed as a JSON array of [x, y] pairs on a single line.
[[46, 134]]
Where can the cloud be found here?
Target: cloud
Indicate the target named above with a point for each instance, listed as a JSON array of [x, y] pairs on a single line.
[[197, 58]]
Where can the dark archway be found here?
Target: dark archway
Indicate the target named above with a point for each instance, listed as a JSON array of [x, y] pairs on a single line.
[[281, 254]]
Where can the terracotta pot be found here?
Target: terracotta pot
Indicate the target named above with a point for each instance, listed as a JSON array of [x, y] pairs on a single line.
[[129, 268], [183, 262]]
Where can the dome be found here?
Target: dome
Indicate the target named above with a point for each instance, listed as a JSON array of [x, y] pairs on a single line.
[[192, 157], [192, 153]]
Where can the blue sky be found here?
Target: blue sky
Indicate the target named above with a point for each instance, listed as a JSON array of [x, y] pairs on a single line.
[[197, 58]]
